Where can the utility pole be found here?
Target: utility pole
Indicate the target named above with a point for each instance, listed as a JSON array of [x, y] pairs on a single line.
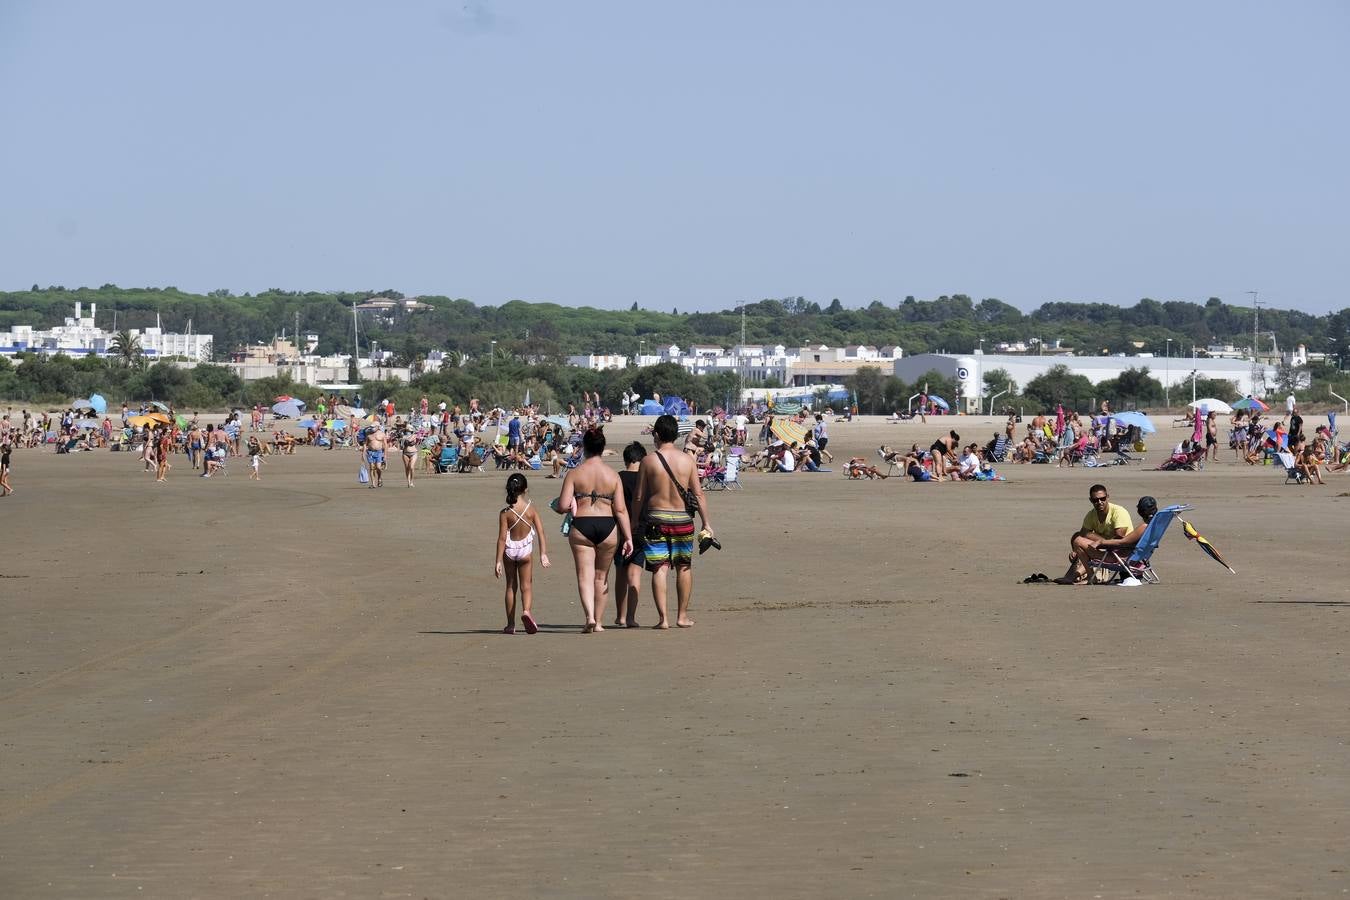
[[1256, 366], [1167, 378]]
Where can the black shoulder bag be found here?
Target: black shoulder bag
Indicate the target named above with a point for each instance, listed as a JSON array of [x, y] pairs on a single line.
[[690, 501]]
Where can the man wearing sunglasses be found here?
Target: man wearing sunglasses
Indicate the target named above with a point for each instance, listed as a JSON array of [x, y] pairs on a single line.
[[1105, 521]]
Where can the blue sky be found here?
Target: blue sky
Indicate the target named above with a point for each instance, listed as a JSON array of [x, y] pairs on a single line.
[[689, 155]]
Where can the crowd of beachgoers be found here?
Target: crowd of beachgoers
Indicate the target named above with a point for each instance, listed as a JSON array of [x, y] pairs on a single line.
[[443, 438]]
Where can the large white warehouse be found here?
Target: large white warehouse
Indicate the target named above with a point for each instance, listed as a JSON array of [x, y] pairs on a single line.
[[968, 370]]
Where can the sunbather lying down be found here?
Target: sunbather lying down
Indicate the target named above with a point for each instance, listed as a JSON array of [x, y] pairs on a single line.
[[857, 468]]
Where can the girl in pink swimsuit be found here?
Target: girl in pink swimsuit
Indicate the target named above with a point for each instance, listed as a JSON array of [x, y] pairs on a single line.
[[517, 526]]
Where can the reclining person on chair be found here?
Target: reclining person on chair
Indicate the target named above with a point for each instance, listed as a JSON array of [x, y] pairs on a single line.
[[1105, 521]]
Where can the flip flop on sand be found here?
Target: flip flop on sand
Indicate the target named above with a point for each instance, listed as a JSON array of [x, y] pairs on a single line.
[[528, 621], [1036, 578]]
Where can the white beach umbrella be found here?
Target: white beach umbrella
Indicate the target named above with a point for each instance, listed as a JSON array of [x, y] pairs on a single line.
[[1212, 405]]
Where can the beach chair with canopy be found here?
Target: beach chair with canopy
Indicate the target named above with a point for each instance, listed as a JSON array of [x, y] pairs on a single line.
[[1139, 563]]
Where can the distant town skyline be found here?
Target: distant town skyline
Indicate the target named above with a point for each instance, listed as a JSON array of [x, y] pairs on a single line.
[[689, 157]]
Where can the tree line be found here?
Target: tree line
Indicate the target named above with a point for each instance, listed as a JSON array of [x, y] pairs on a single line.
[[550, 332], [533, 340]]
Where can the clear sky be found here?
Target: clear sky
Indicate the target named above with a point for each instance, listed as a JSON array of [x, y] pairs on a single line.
[[681, 154]]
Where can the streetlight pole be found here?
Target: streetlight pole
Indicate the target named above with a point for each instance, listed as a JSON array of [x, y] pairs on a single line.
[[1167, 378]]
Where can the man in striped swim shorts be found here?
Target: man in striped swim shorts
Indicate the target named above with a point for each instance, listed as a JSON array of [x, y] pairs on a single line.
[[660, 518]]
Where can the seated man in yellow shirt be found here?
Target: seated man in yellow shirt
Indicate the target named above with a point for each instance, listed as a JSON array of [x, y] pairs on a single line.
[[1105, 521]]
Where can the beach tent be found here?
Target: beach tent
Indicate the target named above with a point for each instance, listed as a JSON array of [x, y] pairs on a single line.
[[98, 404], [675, 406], [652, 408]]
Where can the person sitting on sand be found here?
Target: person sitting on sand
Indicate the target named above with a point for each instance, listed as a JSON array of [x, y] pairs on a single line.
[[969, 466], [1104, 521], [1309, 463]]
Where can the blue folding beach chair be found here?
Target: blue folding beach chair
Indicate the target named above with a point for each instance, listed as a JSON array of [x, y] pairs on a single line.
[[1138, 564]]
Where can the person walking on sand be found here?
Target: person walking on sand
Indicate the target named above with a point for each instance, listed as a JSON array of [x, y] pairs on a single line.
[[5, 489], [375, 446], [821, 433], [254, 458], [593, 493], [163, 443], [517, 526], [628, 570], [409, 456], [666, 491]]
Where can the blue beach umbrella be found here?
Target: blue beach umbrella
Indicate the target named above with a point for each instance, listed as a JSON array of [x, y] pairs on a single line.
[[1131, 419], [98, 404], [307, 423], [938, 401]]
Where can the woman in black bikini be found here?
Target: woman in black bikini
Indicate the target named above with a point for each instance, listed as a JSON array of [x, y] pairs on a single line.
[[593, 493], [944, 449]]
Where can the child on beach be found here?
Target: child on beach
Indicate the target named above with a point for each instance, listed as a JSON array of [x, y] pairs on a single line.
[[254, 458], [517, 527]]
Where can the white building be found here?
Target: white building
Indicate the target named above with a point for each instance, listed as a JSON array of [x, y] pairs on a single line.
[[80, 336], [760, 364], [968, 371], [599, 361]]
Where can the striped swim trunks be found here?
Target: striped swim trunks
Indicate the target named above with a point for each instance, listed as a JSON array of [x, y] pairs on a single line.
[[669, 538]]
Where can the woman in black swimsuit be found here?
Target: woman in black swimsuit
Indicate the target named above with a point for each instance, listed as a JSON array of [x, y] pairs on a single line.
[[594, 494], [5, 489], [942, 449]]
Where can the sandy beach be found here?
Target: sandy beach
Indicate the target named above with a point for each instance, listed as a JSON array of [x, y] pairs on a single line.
[[296, 688]]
